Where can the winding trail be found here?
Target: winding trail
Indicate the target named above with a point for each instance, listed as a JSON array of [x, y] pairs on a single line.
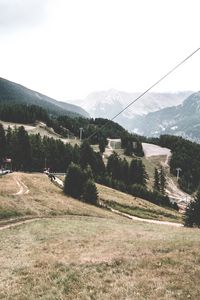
[[145, 220]]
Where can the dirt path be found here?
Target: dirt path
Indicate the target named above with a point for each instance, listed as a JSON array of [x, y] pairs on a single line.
[[23, 189], [172, 189], [145, 220], [15, 223]]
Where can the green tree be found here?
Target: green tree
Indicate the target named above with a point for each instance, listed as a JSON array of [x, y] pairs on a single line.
[[156, 185], [74, 181], [21, 150], [192, 214], [113, 166], [102, 145], [2, 143], [162, 181], [137, 173], [90, 194]]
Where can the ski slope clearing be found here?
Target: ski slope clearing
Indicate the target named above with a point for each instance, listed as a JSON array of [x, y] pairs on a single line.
[[154, 150]]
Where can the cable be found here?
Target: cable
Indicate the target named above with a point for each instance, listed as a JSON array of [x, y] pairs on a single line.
[[146, 91]]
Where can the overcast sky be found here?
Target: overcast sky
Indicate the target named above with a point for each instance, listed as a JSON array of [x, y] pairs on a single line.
[[69, 48]]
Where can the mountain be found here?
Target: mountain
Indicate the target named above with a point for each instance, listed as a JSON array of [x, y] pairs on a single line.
[[183, 120], [11, 92], [107, 104]]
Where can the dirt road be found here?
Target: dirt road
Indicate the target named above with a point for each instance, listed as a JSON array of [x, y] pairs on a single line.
[[145, 220], [172, 188]]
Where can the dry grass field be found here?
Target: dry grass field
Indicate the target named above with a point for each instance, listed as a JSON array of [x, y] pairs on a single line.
[[77, 251], [78, 257], [44, 199], [136, 206]]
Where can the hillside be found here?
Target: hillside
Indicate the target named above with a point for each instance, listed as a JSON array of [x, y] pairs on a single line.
[[11, 92], [72, 250], [45, 199], [182, 120]]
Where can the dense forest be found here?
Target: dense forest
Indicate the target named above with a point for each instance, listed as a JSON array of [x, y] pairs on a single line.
[[34, 153], [68, 126], [186, 156]]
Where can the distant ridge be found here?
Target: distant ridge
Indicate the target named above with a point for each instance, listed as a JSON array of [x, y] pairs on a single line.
[[11, 92], [106, 104], [182, 120]]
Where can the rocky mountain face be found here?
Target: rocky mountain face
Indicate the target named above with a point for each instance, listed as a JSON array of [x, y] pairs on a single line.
[[11, 92], [182, 120], [107, 104]]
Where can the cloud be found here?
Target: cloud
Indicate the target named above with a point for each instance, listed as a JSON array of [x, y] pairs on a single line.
[[15, 14]]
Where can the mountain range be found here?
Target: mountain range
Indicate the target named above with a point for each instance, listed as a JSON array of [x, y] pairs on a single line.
[[107, 104], [182, 120], [11, 92]]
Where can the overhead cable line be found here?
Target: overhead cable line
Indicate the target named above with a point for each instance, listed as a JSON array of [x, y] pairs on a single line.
[[146, 91]]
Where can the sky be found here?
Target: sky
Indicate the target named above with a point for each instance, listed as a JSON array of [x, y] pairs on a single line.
[[67, 49]]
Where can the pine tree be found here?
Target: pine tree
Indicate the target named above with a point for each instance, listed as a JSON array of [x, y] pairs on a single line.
[[129, 149], [74, 181], [90, 193], [156, 185], [2, 144], [192, 214], [162, 181], [21, 150], [8, 142], [113, 166], [137, 173], [102, 145]]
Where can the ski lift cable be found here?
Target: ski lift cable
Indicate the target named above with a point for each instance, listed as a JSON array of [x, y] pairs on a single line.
[[146, 91]]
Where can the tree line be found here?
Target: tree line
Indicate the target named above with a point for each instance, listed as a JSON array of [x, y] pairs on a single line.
[[33, 153], [70, 126], [186, 156]]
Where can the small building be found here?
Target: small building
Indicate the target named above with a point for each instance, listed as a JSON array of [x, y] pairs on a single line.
[[114, 143]]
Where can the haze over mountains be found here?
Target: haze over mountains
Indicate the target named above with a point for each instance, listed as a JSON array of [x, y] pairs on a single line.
[[152, 115], [182, 120], [108, 103], [11, 92]]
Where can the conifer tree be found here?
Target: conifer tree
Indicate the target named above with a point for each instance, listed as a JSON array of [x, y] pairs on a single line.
[[90, 193], [102, 145], [162, 181], [74, 181], [192, 214], [137, 173], [2, 144], [156, 185]]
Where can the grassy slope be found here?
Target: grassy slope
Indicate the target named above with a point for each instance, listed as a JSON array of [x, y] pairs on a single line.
[[44, 199], [136, 206], [93, 255], [99, 258]]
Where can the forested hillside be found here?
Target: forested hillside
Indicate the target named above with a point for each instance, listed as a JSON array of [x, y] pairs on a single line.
[[33, 153], [11, 92], [186, 156]]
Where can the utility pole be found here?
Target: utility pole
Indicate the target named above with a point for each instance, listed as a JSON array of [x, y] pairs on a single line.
[[178, 170], [81, 131]]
